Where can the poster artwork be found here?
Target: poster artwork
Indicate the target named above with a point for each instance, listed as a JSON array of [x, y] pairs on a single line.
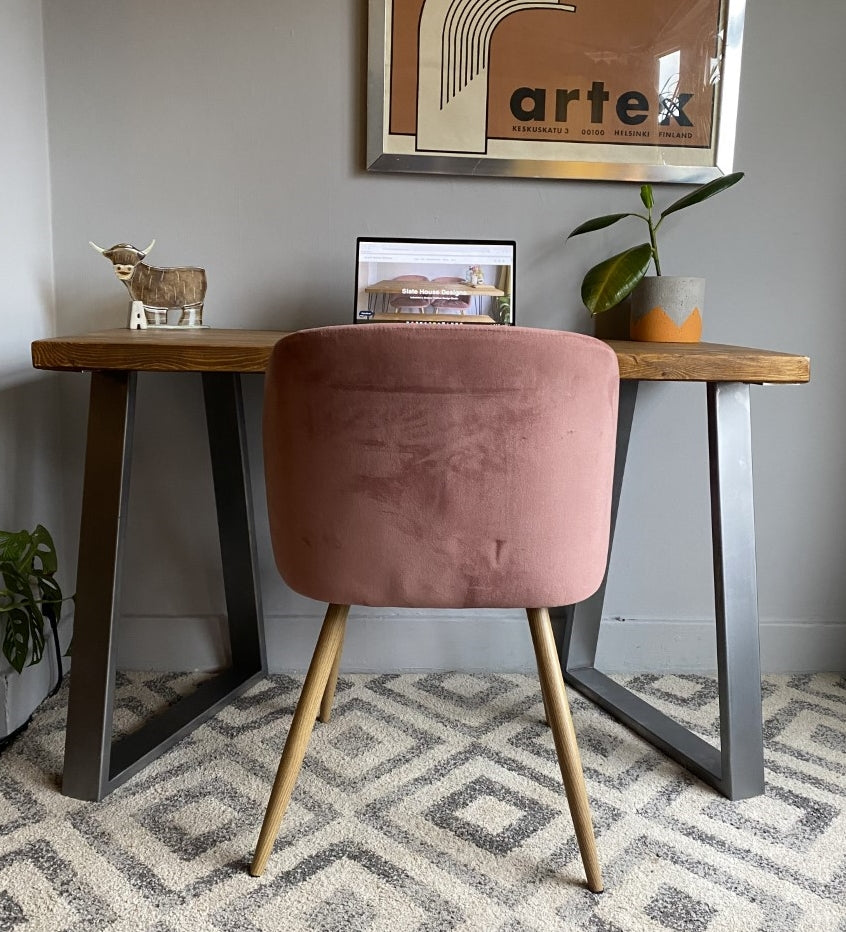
[[592, 80]]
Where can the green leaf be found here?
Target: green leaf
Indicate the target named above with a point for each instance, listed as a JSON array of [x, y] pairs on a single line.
[[599, 223], [23, 619], [27, 566], [703, 192], [16, 638], [646, 196], [15, 547], [36, 633], [45, 551], [608, 283], [17, 581], [51, 598]]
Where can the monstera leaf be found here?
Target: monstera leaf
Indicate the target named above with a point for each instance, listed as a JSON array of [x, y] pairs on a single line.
[[29, 593]]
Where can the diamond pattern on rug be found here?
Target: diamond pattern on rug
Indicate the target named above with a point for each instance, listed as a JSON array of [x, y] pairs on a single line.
[[11, 914], [37, 882], [796, 728], [444, 698], [172, 857], [431, 802], [316, 891], [674, 909], [194, 820], [344, 909], [18, 807], [688, 698], [387, 742], [491, 815], [781, 816]]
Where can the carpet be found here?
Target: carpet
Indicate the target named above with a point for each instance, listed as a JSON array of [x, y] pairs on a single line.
[[431, 802]]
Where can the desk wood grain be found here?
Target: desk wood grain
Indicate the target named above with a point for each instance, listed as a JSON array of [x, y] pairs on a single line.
[[707, 362], [211, 350], [216, 350]]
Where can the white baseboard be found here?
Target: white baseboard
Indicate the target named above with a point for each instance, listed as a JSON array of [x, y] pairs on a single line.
[[656, 646], [166, 642], [398, 641]]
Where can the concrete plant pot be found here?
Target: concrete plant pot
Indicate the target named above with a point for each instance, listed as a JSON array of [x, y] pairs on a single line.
[[667, 309]]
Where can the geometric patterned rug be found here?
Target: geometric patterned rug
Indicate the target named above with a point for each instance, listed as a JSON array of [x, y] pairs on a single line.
[[431, 802]]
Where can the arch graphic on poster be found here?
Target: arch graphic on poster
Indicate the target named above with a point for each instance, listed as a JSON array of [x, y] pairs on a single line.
[[452, 69]]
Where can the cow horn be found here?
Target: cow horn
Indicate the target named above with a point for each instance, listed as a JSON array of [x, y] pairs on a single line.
[[98, 248], [144, 252]]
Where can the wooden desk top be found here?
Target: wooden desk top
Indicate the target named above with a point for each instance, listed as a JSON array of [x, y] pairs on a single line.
[[707, 362], [215, 350], [209, 350]]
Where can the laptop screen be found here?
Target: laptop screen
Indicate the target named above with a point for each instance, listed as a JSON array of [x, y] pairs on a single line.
[[434, 281]]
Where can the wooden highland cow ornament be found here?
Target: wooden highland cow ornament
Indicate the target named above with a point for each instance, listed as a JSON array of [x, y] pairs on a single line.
[[158, 290]]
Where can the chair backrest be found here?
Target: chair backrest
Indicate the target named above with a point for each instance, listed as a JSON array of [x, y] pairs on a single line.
[[440, 467]]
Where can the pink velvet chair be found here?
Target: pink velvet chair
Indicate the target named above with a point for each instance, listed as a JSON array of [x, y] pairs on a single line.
[[486, 452], [404, 302], [461, 303]]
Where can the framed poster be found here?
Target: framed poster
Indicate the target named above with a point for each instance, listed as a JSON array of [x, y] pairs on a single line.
[[632, 90]]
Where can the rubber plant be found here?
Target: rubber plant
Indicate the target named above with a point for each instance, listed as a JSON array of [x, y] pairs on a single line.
[[29, 593], [610, 282]]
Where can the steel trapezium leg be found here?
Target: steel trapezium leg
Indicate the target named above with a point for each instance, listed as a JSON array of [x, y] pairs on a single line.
[[576, 627], [104, 497], [233, 499], [736, 769], [735, 590], [94, 765]]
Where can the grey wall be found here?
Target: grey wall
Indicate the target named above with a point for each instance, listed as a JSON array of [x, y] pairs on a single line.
[[28, 401], [30, 462], [234, 133]]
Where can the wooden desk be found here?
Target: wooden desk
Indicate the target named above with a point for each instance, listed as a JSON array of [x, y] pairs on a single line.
[[94, 765], [215, 350]]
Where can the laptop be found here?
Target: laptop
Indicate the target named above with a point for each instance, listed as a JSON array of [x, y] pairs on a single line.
[[427, 281]]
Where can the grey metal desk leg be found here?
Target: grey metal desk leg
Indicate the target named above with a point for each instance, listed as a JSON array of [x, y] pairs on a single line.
[[736, 769], [94, 765], [234, 501], [105, 491], [735, 590], [576, 627]]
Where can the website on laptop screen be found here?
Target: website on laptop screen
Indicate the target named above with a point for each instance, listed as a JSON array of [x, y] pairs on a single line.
[[434, 281]]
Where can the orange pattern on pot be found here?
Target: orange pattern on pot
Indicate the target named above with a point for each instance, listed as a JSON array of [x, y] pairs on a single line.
[[657, 326]]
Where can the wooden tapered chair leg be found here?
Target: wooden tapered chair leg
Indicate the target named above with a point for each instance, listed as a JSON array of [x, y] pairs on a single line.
[[545, 712], [561, 723], [332, 682], [302, 725]]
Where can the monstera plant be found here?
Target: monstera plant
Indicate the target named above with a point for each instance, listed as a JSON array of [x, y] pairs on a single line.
[[29, 594]]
